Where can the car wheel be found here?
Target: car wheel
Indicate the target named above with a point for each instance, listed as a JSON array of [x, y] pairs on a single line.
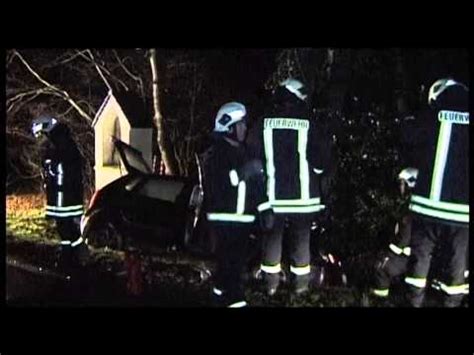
[[102, 233]]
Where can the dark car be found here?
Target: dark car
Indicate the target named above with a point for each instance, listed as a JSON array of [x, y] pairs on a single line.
[[141, 209], [152, 212]]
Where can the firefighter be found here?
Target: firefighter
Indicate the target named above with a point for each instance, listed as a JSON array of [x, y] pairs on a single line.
[[464, 289], [395, 261], [62, 177], [296, 155], [437, 145], [233, 189]]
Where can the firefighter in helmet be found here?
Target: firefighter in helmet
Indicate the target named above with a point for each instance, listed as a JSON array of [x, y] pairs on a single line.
[[296, 154], [233, 197], [395, 260], [437, 144], [62, 177]]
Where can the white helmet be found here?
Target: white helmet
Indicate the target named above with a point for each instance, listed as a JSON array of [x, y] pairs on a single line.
[[294, 86], [229, 114], [439, 86], [43, 124]]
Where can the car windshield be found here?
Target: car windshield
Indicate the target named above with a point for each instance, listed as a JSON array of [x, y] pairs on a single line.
[[163, 189]]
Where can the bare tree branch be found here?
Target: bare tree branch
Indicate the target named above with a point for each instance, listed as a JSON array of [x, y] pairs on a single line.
[[64, 59], [16, 132], [24, 94], [123, 66], [129, 73], [55, 90], [73, 56], [89, 105], [21, 103], [65, 113], [298, 63], [10, 57], [114, 77], [88, 51], [21, 175]]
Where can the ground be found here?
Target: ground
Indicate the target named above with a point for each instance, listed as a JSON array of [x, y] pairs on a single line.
[[171, 278]]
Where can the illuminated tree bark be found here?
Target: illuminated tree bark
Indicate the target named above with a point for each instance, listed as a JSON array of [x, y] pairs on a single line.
[[158, 119]]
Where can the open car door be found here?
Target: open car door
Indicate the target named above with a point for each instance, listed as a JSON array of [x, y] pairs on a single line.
[[165, 188], [131, 158]]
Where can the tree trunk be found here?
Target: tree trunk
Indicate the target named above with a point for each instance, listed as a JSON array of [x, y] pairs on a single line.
[[158, 119], [401, 84], [338, 74]]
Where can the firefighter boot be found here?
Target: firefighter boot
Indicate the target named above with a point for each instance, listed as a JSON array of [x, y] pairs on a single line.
[[80, 255], [236, 297], [64, 260], [301, 284], [217, 297], [452, 301], [414, 297], [270, 283]]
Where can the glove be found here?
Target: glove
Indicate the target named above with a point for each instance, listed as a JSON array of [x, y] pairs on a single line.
[[45, 176], [251, 168]]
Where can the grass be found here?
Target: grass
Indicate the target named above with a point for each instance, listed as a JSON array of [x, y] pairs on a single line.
[[168, 276], [26, 221], [34, 238]]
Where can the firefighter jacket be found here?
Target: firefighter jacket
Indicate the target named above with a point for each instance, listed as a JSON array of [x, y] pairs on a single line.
[[437, 144], [296, 153], [62, 174], [233, 184]]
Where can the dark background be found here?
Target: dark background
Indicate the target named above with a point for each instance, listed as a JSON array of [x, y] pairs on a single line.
[[359, 95]]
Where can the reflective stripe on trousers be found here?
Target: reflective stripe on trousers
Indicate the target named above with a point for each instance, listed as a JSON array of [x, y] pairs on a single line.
[[64, 214], [397, 250], [239, 304], [380, 292], [217, 292], [72, 244], [300, 270], [454, 290], [271, 269], [419, 282]]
